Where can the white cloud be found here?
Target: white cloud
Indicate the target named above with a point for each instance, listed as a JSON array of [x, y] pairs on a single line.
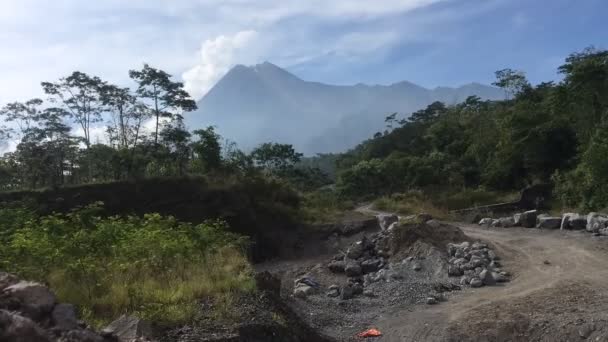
[[216, 57]]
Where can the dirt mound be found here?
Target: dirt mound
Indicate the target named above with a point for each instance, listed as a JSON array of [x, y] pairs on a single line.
[[418, 238]]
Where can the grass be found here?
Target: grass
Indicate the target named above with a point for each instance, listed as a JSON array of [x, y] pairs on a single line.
[[324, 206], [408, 205]]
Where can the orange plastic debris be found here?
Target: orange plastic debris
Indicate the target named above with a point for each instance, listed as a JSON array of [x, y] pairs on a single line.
[[369, 333]]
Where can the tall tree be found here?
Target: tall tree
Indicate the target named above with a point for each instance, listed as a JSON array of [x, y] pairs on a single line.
[[164, 96], [512, 81], [208, 149], [23, 114], [80, 96]]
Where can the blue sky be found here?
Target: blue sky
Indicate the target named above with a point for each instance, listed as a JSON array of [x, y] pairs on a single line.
[[428, 42]]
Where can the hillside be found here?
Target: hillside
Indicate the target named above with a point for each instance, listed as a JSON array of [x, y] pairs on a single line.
[[261, 103]]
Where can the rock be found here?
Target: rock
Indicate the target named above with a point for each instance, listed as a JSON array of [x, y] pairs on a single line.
[[603, 232], [370, 266], [347, 292], [352, 269], [89, 336], [333, 291], [386, 220], [499, 277], [6, 280], [465, 280], [417, 267], [487, 278], [35, 299], [337, 266], [573, 221], [355, 251], [528, 218], [392, 226], [16, 328], [486, 221], [128, 328], [517, 219], [596, 221], [454, 271], [506, 222], [495, 223], [307, 281], [492, 255], [302, 291], [549, 222], [64, 317], [369, 293], [433, 223], [476, 282], [431, 300]]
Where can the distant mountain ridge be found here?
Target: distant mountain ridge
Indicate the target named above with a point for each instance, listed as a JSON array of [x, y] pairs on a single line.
[[262, 103]]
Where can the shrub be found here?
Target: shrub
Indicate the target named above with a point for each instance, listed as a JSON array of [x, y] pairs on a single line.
[[153, 265]]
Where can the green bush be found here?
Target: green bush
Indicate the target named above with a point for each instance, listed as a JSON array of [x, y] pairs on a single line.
[[154, 266]]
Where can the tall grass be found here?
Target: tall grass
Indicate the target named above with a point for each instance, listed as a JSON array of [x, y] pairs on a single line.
[[155, 266]]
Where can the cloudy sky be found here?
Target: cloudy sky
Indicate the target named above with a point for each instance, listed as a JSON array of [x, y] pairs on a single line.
[[429, 42]]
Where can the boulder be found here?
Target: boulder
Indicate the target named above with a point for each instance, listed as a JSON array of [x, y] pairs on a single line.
[[433, 223], [334, 291], [64, 317], [465, 280], [6, 280], [487, 278], [35, 299], [128, 328], [549, 222], [476, 282], [337, 266], [423, 217], [517, 219], [486, 221], [454, 271], [16, 328], [417, 267], [596, 221], [506, 222], [353, 269], [495, 223], [385, 220], [347, 292], [355, 251], [431, 300], [528, 218], [573, 221], [499, 277], [371, 265]]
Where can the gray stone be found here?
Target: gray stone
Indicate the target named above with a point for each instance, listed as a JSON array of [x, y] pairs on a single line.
[[6, 280], [128, 328], [596, 221], [353, 269], [303, 291], [369, 293], [573, 221], [528, 218], [433, 223], [506, 222], [454, 271], [64, 317], [337, 266], [355, 251], [370, 266], [465, 280], [486, 221], [431, 300], [347, 292], [332, 293], [495, 223], [499, 277], [476, 282], [517, 219], [16, 328], [487, 278], [417, 267], [35, 299], [386, 220], [549, 222]]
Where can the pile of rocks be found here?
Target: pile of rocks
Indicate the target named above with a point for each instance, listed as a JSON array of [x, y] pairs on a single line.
[[29, 312], [475, 264], [593, 222]]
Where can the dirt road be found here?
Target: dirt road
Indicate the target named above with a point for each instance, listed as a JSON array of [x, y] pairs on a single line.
[[558, 292]]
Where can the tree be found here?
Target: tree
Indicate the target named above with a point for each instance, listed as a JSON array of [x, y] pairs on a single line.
[[124, 112], [176, 139], [275, 158], [207, 148], [23, 114], [512, 81], [81, 97], [165, 97], [430, 113]]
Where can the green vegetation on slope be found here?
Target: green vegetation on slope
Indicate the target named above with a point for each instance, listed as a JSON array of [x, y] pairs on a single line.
[[153, 266], [548, 132]]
